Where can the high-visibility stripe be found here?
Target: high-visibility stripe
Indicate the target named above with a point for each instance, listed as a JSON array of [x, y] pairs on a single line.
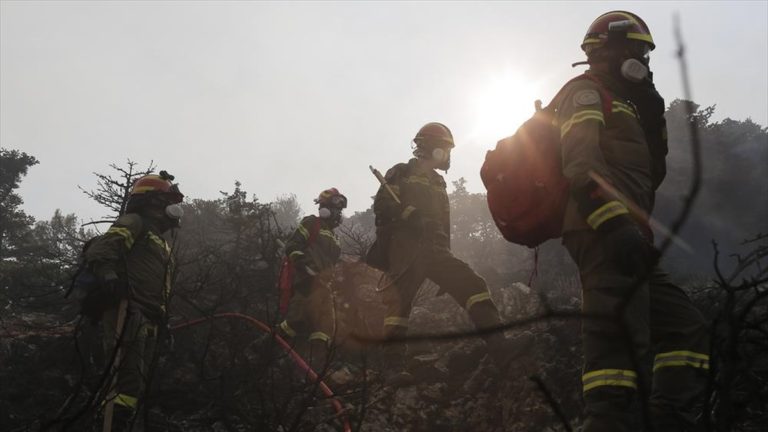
[[303, 231], [640, 36], [294, 254], [580, 117], [477, 298], [609, 377], [607, 211], [287, 329], [159, 241], [681, 358], [331, 235], [320, 336], [396, 321], [407, 212], [635, 36], [417, 179], [125, 233], [126, 400], [622, 107]]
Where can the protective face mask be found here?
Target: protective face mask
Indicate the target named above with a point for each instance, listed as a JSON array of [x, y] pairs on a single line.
[[174, 211], [634, 70], [324, 213], [443, 156], [439, 154]]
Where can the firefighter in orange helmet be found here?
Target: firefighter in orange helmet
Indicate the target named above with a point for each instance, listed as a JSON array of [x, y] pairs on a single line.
[[413, 244], [134, 268], [615, 160], [314, 249]]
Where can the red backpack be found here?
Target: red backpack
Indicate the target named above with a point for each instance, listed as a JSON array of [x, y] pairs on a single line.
[[288, 270], [523, 175]]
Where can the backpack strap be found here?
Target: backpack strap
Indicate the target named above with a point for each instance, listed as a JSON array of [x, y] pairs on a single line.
[[605, 95], [315, 231]]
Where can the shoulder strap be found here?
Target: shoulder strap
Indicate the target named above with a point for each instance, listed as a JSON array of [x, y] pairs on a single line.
[[605, 95]]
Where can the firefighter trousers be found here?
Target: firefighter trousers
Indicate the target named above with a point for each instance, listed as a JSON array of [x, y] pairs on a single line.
[[311, 311], [411, 262], [625, 321], [136, 350]]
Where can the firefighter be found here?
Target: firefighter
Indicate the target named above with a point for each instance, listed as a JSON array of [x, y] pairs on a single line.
[[613, 136], [133, 264], [314, 249], [413, 243]]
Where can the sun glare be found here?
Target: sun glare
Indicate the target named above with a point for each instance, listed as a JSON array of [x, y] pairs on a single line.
[[500, 105]]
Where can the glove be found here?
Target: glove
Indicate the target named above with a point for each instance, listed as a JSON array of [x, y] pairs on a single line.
[[629, 247]]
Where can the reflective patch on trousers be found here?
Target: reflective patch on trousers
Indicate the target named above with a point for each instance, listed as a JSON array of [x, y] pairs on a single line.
[[609, 377], [681, 359]]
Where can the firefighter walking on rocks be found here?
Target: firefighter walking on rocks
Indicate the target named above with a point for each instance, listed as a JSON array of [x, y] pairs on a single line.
[[413, 244], [133, 265], [312, 251], [613, 137]]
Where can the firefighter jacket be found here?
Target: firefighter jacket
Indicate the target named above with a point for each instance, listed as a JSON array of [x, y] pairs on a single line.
[[421, 191], [134, 249], [612, 145], [313, 245]]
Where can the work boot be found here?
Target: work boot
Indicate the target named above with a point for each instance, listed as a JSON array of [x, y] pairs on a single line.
[[395, 366]]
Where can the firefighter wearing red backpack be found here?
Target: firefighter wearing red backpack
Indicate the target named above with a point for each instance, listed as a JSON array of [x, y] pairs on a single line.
[[132, 268], [413, 244], [312, 252], [614, 160]]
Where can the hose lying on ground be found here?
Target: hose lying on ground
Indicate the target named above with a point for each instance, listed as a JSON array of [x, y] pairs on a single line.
[[287, 348]]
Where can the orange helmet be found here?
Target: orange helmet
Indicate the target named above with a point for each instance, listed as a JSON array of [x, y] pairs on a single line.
[[434, 135], [331, 198], [626, 24], [153, 184]]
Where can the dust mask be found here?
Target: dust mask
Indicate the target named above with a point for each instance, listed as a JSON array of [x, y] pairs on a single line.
[[438, 154], [634, 70], [174, 211]]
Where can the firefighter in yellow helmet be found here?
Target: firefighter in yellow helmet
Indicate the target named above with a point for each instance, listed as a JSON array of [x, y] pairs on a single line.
[[133, 265], [413, 244], [614, 145], [314, 249]]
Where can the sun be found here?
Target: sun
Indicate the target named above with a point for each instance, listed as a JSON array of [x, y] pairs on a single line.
[[501, 103]]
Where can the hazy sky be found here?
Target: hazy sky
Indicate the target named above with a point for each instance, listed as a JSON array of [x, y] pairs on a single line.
[[298, 97]]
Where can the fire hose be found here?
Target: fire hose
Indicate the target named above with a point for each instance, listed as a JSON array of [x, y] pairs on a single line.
[[340, 412]]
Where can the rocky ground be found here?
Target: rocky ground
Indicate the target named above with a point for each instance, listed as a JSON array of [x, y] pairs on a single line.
[[228, 377]]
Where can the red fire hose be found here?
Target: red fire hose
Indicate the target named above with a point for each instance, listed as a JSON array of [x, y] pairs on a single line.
[[340, 412]]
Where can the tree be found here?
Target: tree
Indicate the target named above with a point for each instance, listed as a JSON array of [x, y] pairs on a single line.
[[112, 191], [287, 212], [733, 202], [14, 223]]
